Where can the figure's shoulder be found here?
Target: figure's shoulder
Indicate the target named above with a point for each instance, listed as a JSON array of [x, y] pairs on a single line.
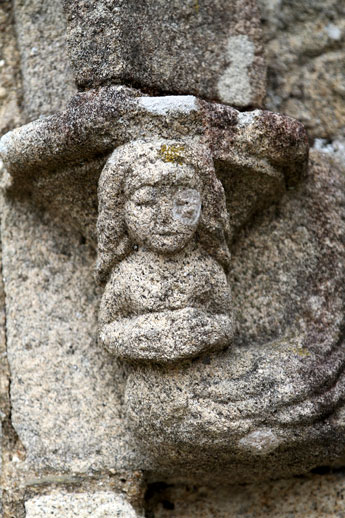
[[203, 260], [120, 274]]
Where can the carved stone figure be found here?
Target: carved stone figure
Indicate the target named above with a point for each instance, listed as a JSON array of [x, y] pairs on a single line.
[[270, 405], [162, 231], [275, 399]]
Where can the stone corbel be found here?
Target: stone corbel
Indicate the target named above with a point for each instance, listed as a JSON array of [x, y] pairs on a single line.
[[215, 380]]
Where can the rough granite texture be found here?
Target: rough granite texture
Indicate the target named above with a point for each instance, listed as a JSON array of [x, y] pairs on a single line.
[[310, 497], [305, 52], [22, 484], [4, 380], [4, 371], [231, 140], [10, 94], [162, 247], [65, 389], [10, 90], [257, 154], [1, 448], [272, 404], [83, 505], [47, 76], [209, 48]]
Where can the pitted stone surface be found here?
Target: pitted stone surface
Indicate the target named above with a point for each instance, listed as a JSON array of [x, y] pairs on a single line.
[[312, 496], [209, 48], [1, 514], [305, 53], [256, 154], [4, 378], [79, 505], [65, 389], [10, 87], [162, 248], [277, 394], [272, 405], [47, 77]]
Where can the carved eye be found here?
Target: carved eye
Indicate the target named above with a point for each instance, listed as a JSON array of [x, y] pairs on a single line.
[[144, 197], [145, 203]]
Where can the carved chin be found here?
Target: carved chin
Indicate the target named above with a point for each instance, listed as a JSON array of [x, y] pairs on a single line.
[[167, 244]]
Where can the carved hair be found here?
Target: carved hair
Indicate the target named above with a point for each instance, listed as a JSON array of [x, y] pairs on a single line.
[[122, 168]]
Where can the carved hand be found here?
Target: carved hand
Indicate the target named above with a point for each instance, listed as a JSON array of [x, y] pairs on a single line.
[[167, 336]]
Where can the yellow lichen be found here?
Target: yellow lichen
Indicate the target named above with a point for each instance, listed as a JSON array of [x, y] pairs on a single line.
[[301, 351], [171, 153]]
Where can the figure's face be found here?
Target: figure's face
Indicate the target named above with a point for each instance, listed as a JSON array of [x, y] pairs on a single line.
[[164, 216]]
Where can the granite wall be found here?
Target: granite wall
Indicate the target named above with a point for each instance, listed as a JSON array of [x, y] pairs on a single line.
[[67, 449]]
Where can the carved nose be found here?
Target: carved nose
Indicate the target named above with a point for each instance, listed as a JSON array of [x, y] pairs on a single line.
[[164, 214]]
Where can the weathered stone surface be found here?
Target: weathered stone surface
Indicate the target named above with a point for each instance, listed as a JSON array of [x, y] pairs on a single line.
[[22, 483], [1, 514], [97, 121], [336, 149], [305, 52], [272, 404], [67, 426], [257, 154], [79, 505], [4, 379], [4, 371], [47, 78], [311, 497], [276, 395], [65, 389], [211, 48], [9, 64], [162, 248]]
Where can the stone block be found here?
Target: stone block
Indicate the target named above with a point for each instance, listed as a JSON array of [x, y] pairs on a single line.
[[1, 514], [10, 87], [60, 504], [314, 496], [211, 49], [46, 74], [65, 391], [305, 52]]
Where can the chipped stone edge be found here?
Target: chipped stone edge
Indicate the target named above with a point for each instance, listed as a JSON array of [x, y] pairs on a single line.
[[169, 103]]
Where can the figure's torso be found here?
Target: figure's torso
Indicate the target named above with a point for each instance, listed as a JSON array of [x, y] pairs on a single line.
[[147, 282]]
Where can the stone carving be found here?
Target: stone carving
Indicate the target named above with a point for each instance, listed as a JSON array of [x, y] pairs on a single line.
[[197, 397], [268, 405], [274, 401], [162, 232]]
